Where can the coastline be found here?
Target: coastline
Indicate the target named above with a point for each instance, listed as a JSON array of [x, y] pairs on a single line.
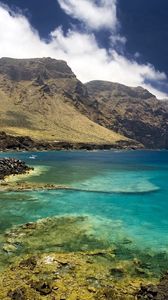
[[107, 272], [101, 273], [25, 143], [15, 177], [17, 182]]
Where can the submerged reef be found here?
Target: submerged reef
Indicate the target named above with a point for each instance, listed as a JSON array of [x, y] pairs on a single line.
[[17, 186], [60, 234], [62, 258], [69, 276]]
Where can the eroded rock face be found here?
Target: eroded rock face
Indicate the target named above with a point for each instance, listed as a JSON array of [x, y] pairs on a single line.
[[134, 112], [38, 69]]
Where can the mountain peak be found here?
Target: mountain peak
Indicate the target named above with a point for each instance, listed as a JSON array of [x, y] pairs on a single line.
[[33, 68], [115, 89]]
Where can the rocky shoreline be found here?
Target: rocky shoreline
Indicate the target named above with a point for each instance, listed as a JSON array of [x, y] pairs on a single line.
[[58, 258], [75, 276], [68, 276], [12, 166], [25, 143]]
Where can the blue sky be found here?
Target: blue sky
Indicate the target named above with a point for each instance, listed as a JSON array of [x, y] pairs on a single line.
[[116, 40]]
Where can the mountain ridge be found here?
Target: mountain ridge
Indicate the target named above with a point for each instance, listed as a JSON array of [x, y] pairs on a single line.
[[43, 99], [133, 112]]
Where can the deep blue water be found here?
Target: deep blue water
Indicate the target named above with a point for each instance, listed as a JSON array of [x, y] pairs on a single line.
[[125, 194]]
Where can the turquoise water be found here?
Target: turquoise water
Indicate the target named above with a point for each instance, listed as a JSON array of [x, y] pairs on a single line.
[[124, 194]]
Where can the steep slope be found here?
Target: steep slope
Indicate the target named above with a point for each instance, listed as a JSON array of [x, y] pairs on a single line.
[[133, 112], [43, 99]]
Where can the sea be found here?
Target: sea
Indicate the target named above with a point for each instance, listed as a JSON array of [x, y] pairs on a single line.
[[123, 194]]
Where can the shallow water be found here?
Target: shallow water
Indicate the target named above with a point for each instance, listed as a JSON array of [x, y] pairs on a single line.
[[124, 194]]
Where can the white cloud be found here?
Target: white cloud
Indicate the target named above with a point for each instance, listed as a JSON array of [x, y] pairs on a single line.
[[117, 39], [17, 37], [80, 50], [94, 14], [90, 62]]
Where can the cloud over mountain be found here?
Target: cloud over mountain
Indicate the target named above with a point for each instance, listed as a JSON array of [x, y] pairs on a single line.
[[80, 49]]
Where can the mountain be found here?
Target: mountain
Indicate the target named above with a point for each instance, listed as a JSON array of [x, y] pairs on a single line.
[[133, 112], [42, 98]]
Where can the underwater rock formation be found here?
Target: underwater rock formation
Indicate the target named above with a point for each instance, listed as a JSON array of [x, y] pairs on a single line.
[[61, 258], [68, 276], [60, 234]]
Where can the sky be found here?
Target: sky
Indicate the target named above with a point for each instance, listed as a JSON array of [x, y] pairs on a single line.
[[123, 41]]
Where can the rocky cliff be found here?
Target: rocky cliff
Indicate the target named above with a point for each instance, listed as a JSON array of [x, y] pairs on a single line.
[[133, 112], [43, 99]]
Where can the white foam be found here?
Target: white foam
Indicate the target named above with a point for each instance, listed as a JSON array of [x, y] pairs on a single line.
[[32, 173]]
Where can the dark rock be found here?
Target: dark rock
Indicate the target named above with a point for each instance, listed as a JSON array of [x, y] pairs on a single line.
[[29, 263], [12, 166], [148, 292], [158, 292], [29, 225], [117, 273], [18, 294], [8, 142], [39, 81], [109, 293], [43, 287], [46, 89]]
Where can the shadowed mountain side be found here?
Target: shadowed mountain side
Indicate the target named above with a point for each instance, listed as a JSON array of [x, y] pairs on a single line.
[[133, 112], [42, 98]]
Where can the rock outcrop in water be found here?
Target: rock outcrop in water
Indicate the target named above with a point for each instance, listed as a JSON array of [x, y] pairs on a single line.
[[12, 166]]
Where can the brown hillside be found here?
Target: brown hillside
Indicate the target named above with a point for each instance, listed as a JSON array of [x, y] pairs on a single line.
[[43, 99]]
